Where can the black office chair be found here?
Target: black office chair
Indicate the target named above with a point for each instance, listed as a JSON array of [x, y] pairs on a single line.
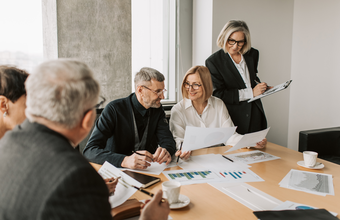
[[82, 144], [325, 141]]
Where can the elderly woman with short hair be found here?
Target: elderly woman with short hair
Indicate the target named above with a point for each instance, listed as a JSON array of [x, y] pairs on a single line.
[[234, 75], [199, 108], [12, 97]]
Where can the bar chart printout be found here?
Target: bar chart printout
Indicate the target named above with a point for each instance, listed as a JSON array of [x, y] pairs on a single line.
[[205, 176], [191, 175]]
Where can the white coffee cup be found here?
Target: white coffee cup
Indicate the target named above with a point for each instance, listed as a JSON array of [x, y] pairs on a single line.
[[171, 191], [309, 158]]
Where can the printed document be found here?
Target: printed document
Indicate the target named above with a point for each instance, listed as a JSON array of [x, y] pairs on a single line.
[[310, 182], [250, 157], [197, 138], [250, 140], [123, 190]]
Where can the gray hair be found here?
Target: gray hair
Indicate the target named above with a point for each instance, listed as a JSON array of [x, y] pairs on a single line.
[[144, 76], [231, 27], [61, 91]]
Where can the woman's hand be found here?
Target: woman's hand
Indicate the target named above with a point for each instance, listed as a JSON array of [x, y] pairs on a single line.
[[183, 154], [260, 88], [262, 144], [111, 184]]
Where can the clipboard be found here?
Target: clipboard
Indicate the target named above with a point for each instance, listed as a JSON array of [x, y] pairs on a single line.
[[273, 90]]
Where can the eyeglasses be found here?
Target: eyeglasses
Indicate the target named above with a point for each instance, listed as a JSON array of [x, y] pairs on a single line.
[[96, 106], [158, 93], [240, 43], [194, 86]]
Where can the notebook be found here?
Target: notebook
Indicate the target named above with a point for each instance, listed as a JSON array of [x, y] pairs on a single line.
[[146, 180]]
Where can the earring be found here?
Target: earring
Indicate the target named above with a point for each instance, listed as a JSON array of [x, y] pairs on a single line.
[[5, 114]]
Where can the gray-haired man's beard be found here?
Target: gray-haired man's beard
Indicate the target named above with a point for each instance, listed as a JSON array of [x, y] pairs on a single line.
[[153, 104]]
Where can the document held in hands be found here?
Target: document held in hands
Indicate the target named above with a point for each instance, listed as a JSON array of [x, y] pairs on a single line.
[[123, 190], [273, 90], [250, 140], [197, 138]]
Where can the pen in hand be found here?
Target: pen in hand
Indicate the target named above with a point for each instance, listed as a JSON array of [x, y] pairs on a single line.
[[180, 148], [146, 192]]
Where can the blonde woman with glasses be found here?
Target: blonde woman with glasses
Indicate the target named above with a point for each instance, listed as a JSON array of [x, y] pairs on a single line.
[[199, 108], [234, 75]]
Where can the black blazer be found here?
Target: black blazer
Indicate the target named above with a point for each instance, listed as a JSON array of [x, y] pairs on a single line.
[[227, 81]]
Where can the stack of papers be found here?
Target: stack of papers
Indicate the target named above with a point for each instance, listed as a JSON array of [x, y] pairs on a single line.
[[310, 182]]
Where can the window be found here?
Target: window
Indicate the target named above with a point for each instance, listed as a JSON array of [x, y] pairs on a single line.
[[21, 42], [153, 40]]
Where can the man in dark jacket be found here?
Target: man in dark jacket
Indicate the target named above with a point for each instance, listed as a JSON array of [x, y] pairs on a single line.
[[133, 132]]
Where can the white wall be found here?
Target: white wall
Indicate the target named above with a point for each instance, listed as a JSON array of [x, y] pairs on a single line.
[[314, 98], [201, 31]]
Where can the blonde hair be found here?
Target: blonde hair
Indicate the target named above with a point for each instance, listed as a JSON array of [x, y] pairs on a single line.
[[231, 27], [205, 77]]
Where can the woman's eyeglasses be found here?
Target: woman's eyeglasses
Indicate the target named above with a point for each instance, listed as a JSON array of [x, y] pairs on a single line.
[[239, 43], [195, 86]]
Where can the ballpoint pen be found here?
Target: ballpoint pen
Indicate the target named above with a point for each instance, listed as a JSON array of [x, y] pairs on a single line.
[[227, 158], [180, 148]]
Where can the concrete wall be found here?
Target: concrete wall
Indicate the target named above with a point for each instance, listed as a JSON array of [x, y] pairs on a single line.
[[96, 32], [314, 98]]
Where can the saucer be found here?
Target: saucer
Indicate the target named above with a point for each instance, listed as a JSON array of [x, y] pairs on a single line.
[[317, 166], [183, 201]]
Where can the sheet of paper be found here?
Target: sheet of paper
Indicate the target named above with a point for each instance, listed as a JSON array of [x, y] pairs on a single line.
[[197, 138], [223, 174], [155, 168], [250, 140], [250, 157], [247, 195], [210, 161], [123, 190], [310, 182], [288, 205]]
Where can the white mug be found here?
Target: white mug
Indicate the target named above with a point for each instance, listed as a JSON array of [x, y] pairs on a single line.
[[171, 191], [309, 158]]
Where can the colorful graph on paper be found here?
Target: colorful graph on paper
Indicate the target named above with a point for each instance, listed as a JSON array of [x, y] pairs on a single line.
[[212, 175]]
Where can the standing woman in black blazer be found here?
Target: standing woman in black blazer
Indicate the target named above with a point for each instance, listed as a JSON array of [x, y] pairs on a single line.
[[234, 75]]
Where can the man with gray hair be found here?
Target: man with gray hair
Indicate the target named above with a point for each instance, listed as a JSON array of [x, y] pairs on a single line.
[[132, 132], [42, 175]]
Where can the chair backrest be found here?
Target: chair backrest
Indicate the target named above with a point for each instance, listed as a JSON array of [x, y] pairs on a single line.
[[84, 142], [325, 141]]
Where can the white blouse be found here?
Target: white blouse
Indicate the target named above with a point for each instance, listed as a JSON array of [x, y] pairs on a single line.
[[244, 94], [215, 115]]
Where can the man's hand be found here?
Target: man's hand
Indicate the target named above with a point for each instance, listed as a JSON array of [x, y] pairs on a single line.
[[139, 160], [155, 209], [183, 154], [162, 155], [111, 184]]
